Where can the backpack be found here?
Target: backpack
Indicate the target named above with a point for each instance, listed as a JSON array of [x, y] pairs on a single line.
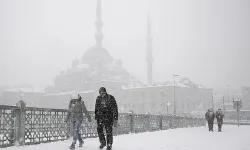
[[76, 106], [211, 114]]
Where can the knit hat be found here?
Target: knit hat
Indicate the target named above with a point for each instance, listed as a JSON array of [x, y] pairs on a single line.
[[102, 89]]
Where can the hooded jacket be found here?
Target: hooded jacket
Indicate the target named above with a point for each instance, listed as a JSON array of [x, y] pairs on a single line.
[[76, 109]]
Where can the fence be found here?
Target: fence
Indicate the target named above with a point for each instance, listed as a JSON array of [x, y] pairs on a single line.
[[234, 122], [20, 125], [231, 117]]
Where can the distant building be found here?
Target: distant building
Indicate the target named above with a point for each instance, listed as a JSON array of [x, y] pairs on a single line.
[[98, 68], [159, 99], [95, 68]]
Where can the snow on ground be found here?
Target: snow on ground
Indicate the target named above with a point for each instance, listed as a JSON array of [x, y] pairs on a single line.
[[232, 138]]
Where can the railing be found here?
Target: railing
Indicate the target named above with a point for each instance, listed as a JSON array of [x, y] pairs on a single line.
[[231, 117], [20, 125], [7, 128], [234, 122]]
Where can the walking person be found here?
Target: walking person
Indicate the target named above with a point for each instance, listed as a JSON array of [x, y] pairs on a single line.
[[75, 113], [106, 115], [210, 119], [219, 115]]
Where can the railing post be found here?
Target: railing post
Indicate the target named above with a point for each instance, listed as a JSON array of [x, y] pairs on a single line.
[[20, 123], [160, 122], [148, 122], [193, 122], [12, 127], [131, 119], [171, 122]]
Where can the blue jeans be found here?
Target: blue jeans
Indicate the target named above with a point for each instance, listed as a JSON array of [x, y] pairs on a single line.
[[76, 131]]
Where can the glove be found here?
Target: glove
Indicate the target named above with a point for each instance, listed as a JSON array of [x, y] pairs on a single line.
[[116, 123]]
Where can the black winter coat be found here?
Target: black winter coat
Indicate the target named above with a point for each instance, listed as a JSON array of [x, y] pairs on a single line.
[[219, 115], [109, 113]]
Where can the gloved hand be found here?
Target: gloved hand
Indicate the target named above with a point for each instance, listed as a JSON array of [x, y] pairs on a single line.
[[116, 123]]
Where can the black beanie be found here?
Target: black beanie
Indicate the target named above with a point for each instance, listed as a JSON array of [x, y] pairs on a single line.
[[102, 89]]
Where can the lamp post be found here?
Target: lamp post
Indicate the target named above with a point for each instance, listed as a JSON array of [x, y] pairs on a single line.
[[223, 103], [175, 75], [237, 104]]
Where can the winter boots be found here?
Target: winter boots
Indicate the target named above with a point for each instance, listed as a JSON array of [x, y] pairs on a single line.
[[81, 143], [102, 146], [109, 147], [72, 146]]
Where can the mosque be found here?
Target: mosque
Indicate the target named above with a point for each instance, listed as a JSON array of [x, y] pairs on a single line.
[[98, 68]]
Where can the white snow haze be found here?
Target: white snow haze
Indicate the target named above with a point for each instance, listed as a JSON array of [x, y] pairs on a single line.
[[205, 40]]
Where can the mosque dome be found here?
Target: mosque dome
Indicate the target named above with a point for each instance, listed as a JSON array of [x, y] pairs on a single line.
[[96, 54]]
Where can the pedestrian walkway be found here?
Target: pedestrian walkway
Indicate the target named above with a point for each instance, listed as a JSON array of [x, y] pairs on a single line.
[[231, 138]]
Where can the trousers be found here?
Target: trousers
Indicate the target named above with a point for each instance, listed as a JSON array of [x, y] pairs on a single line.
[[210, 125], [76, 131], [108, 126]]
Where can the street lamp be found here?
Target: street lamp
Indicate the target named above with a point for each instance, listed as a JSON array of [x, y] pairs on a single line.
[[223, 103], [237, 104], [175, 75]]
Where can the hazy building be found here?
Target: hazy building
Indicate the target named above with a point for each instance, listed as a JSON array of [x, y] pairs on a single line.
[[98, 68], [94, 69]]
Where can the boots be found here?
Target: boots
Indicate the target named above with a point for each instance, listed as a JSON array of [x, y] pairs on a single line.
[[109, 147], [81, 143], [102, 146], [72, 146]]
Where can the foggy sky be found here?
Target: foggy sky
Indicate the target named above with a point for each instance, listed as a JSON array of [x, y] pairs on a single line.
[[205, 40]]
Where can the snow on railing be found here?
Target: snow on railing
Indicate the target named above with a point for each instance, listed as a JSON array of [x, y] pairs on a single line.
[[30, 125]]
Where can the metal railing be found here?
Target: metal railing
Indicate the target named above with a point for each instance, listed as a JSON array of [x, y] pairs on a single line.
[[20, 125]]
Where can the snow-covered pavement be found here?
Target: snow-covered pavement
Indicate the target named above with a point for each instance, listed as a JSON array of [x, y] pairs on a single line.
[[232, 138]]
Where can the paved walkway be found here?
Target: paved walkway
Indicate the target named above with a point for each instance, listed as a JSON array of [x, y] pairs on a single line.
[[232, 138]]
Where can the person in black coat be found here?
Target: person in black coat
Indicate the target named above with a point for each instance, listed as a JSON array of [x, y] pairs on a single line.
[[210, 119], [106, 115], [219, 115]]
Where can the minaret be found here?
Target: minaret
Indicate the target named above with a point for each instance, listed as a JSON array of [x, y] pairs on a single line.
[[149, 49], [98, 24]]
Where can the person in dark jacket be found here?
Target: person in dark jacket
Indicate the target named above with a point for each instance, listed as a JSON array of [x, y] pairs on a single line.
[[219, 115], [106, 115], [210, 119], [75, 113]]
